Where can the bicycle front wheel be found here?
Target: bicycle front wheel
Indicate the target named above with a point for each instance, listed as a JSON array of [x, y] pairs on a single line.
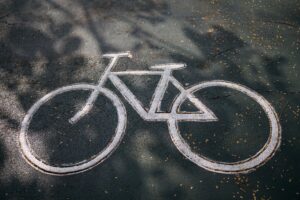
[[76, 167], [243, 166]]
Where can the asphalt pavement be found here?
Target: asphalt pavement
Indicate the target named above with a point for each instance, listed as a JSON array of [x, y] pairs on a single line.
[[49, 44]]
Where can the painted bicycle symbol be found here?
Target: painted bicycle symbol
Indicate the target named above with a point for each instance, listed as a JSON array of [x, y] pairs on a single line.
[[172, 118]]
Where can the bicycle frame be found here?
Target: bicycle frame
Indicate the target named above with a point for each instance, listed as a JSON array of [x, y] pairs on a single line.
[[154, 113]]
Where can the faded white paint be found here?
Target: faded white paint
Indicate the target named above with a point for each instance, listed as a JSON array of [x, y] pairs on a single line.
[[244, 166], [154, 114], [84, 165]]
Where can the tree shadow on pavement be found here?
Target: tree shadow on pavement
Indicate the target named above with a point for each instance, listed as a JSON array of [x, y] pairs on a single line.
[[36, 59]]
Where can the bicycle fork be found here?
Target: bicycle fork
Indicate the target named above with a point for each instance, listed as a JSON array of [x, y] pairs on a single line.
[[92, 98]]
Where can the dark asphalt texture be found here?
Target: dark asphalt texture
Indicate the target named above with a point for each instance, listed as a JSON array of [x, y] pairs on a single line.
[[47, 44]]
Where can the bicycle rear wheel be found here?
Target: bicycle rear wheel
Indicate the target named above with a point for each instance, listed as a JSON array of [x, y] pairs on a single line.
[[243, 166], [84, 165]]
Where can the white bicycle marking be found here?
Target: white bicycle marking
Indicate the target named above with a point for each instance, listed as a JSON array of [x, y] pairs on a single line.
[[84, 165], [244, 166], [204, 114]]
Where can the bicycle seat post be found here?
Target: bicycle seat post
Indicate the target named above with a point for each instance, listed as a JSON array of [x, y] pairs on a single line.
[[92, 98], [114, 58]]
